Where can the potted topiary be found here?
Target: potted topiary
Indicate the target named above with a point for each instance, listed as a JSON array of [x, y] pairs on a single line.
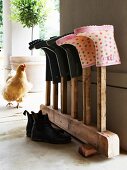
[[29, 13]]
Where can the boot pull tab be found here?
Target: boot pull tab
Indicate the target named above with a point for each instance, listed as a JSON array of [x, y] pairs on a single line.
[[24, 113], [34, 115]]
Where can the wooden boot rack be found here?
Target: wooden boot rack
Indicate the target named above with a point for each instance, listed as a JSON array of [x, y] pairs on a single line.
[[106, 142]]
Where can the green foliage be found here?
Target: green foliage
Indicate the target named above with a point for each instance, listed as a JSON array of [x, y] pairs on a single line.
[[1, 12], [28, 12], [57, 4]]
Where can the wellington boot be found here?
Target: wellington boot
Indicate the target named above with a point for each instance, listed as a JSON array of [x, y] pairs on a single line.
[[39, 117], [43, 131], [29, 123]]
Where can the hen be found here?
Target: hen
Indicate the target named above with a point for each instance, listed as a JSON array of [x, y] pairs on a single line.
[[17, 86]]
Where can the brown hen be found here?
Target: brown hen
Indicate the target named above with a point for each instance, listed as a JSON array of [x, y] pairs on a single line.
[[17, 86]]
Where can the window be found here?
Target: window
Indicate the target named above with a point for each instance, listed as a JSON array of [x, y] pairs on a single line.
[[51, 26]]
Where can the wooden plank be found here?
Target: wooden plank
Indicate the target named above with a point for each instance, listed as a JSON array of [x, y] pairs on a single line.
[[101, 99], [106, 142], [55, 95], [47, 93], [87, 150], [63, 95], [86, 78], [109, 144], [74, 98]]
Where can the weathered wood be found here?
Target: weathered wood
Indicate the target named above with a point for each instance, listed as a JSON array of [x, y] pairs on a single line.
[[86, 83], [63, 95], [55, 95], [87, 150], [74, 97], [106, 142], [101, 99], [47, 93]]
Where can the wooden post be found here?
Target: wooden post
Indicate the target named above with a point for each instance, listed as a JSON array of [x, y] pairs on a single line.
[[74, 97], [48, 92], [86, 80], [101, 99], [63, 95], [55, 96]]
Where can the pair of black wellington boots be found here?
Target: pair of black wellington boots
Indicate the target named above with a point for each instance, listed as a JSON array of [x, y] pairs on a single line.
[[39, 128]]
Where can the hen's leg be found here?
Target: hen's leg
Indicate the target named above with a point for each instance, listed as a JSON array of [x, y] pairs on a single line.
[[18, 101], [9, 104], [18, 106]]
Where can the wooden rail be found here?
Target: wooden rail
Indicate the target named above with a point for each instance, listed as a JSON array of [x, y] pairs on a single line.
[[86, 76], [63, 95], [48, 92], [74, 98], [98, 136], [101, 99]]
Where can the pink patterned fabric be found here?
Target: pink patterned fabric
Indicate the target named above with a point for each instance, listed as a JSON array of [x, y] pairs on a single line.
[[105, 45], [95, 44], [85, 47]]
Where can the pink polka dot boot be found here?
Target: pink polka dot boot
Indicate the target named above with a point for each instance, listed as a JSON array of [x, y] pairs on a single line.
[[84, 46], [106, 51]]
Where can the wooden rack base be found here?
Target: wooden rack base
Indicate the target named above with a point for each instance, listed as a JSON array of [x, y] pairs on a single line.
[[105, 142]]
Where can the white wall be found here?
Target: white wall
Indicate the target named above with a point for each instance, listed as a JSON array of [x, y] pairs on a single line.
[[21, 38]]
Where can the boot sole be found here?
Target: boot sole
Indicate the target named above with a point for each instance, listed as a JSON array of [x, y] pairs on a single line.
[[48, 141]]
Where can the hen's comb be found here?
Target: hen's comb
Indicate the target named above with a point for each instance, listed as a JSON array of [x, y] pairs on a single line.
[[23, 65]]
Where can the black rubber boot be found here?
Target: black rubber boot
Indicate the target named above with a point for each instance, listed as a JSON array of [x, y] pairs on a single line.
[[29, 123], [52, 68], [53, 64], [44, 132], [32, 43], [48, 70], [73, 60], [61, 56], [40, 116], [51, 55]]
